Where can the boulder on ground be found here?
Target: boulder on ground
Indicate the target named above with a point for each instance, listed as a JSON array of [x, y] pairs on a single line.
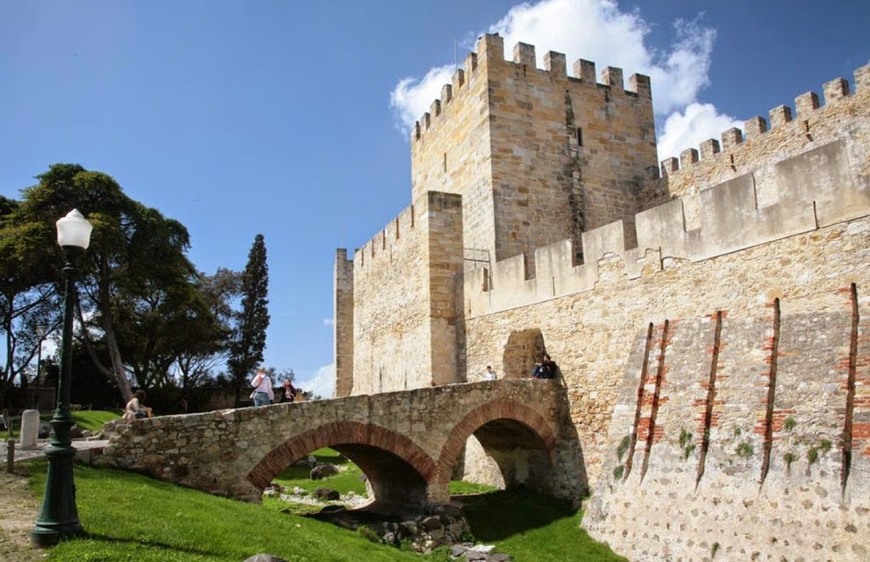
[[322, 471]]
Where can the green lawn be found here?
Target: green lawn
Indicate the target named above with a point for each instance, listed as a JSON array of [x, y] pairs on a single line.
[[91, 420], [129, 517]]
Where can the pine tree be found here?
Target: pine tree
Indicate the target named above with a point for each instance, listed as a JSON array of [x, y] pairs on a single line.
[[249, 334]]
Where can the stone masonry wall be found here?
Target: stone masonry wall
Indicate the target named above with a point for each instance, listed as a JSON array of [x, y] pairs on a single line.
[[569, 154], [450, 149], [779, 257], [343, 327], [406, 442], [403, 299]]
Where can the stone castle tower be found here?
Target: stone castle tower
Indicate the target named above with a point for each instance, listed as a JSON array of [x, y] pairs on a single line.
[[519, 158]]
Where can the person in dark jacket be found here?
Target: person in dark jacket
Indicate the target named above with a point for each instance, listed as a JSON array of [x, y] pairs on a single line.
[[546, 369]]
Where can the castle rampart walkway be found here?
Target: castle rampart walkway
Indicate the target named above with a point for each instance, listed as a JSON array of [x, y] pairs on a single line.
[[407, 443]]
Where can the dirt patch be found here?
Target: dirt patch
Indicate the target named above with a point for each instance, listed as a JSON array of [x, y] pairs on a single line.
[[17, 517]]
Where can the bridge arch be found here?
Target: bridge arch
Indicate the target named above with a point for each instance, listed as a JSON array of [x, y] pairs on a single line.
[[398, 470], [510, 432]]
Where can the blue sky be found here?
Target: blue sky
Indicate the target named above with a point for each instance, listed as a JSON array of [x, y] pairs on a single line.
[[292, 119]]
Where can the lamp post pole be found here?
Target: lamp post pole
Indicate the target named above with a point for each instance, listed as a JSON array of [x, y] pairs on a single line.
[[58, 519]]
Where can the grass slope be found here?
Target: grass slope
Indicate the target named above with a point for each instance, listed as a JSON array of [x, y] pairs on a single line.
[[131, 517]]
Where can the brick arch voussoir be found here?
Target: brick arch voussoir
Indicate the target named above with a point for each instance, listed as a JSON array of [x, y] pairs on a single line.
[[483, 414], [343, 432]]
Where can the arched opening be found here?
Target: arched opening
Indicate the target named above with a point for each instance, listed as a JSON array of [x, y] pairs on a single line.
[[394, 482], [397, 469], [508, 454], [502, 443], [522, 351]]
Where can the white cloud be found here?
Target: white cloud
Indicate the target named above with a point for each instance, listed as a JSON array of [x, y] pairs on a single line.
[[329, 321], [686, 129], [597, 30], [322, 383], [413, 97]]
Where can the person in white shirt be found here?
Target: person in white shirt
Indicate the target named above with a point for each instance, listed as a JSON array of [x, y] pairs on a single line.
[[135, 408], [489, 374], [263, 394]]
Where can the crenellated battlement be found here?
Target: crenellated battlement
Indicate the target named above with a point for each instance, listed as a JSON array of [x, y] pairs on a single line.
[[490, 52], [385, 242], [739, 149], [816, 188]]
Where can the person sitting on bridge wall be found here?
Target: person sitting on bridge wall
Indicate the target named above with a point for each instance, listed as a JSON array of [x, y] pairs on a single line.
[[546, 369], [263, 394], [136, 409], [289, 391]]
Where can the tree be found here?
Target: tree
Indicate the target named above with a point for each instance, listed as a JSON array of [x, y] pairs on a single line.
[[28, 296], [197, 361], [249, 334], [135, 256]]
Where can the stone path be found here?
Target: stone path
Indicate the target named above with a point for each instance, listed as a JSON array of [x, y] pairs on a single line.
[[86, 449]]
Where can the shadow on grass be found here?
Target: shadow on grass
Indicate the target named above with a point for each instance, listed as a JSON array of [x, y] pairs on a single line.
[[146, 543], [496, 516]]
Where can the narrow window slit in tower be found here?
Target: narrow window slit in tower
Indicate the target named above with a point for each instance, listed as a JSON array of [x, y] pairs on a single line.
[[579, 136], [850, 391], [771, 392], [637, 410], [660, 374], [445, 162], [711, 398]]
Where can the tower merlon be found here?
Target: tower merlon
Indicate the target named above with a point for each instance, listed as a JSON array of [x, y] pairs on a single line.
[[779, 116], [835, 89], [640, 84], [612, 76], [490, 45], [446, 93], [555, 63], [754, 127], [862, 78], [731, 138], [806, 103], [584, 70], [688, 157], [525, 54], [458, 79], [708, 148]]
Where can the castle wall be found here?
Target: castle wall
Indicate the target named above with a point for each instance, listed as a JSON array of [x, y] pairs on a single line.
[[571, 153], [537, 155], [782, 251], [403, 299], [450, 148], [343, 326]]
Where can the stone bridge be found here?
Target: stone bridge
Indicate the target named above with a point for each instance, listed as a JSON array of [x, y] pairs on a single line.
[[408, 443]]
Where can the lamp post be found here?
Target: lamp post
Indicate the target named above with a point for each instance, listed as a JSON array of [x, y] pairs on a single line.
[[59, 518]]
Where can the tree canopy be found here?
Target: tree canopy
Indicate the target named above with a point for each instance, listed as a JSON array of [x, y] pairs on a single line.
[[139, 295]]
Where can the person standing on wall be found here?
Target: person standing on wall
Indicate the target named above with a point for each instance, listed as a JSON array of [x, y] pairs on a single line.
[[489, 374], [263, 394]]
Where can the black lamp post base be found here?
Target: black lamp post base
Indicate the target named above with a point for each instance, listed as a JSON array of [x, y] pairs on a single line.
[[45, 535], [58, 519]]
